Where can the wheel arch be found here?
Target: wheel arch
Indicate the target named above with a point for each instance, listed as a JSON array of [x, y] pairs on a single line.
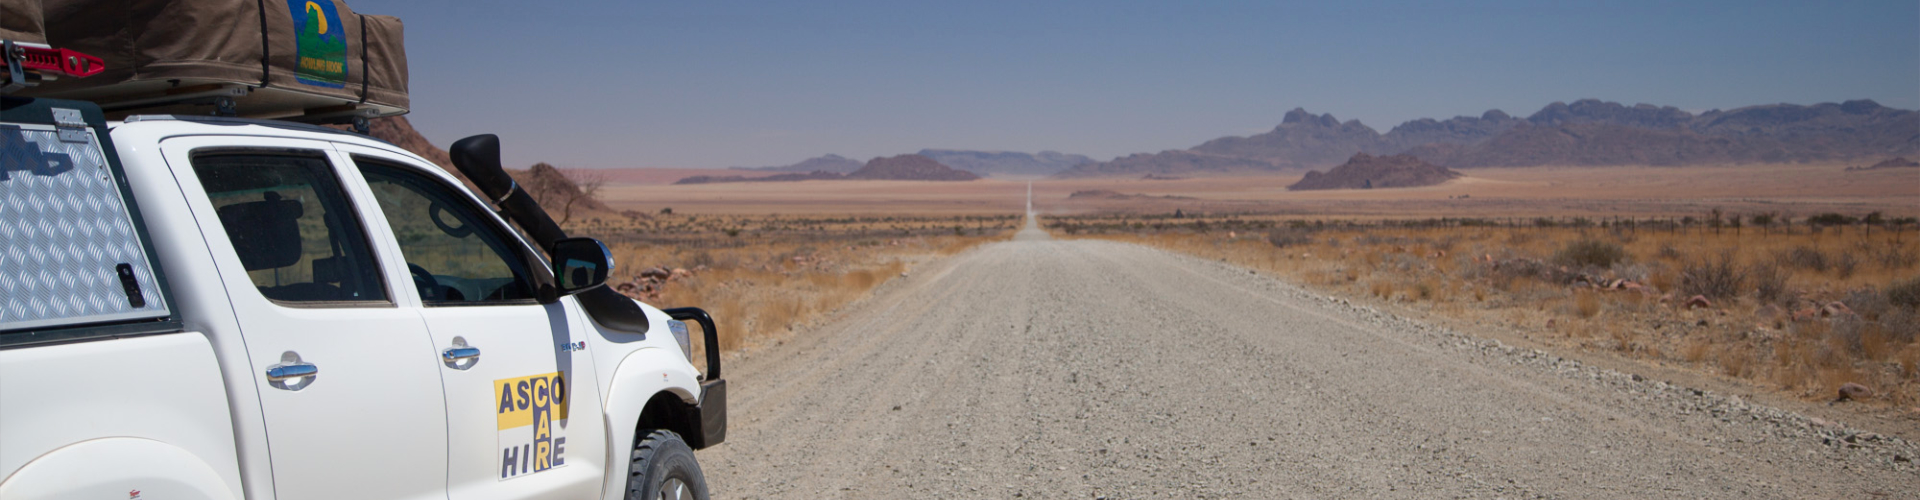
[[650, 383], [665, 410]]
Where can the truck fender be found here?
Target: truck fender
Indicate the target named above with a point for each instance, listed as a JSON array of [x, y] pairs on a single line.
[[641, 375], [111, 467]]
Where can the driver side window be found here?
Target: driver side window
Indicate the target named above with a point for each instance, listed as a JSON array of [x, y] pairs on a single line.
[[455, 256]]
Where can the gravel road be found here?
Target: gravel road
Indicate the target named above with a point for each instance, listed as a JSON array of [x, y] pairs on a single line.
[[1037, 368]]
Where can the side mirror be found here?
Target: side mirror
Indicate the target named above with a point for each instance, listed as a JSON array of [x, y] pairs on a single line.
[[580, 264]]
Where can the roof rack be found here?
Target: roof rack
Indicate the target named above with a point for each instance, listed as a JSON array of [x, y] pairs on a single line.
[[24, 65], [237, 121]]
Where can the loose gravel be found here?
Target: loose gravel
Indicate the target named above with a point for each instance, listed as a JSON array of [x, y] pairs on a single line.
[[1092, 369]]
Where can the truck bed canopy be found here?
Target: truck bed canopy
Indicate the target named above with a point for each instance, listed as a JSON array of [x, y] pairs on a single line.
[[289, 59]]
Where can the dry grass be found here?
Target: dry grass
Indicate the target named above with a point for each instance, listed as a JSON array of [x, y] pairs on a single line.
[[1586, 303], [764, 277], [1522, 277]]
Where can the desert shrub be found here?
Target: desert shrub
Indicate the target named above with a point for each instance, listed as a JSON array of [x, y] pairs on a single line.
[[1905, 293], [1714, 277], [1290, 237], [1524, 268], [1669, 252], [1902, 326], [1382, 289], [1848, 333], [1867, 302], [1590, 253], [1632, 272], [1769, 282], [1895, 257], [1845, 265], [1407, 264], [1804, 257], [1831, 219]]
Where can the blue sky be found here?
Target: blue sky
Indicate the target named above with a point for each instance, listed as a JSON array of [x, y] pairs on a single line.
[[599, 84]]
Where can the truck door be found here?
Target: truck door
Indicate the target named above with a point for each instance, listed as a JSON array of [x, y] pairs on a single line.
[[524, 414], [347, 377]]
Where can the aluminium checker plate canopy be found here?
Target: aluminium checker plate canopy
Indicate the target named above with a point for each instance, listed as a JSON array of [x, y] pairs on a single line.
[[75, 260]]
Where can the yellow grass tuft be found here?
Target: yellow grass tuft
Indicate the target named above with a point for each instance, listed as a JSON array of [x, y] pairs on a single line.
[[1586, 303]]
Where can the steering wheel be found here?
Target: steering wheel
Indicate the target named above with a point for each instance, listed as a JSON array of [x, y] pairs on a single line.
[[423, 281], [460, 231]]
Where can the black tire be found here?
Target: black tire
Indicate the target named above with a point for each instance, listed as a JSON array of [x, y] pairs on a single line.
[[663, 469]]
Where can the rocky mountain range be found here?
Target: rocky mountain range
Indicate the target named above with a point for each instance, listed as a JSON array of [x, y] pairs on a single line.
[[988, 163], [817, 175], [1364, 171], [895, 168], [1586, 132]]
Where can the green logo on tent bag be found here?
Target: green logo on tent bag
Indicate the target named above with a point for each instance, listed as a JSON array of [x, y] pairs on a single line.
[[321, 43]]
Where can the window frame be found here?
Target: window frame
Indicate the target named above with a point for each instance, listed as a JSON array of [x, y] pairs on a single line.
[[350, 208], [531, 263]]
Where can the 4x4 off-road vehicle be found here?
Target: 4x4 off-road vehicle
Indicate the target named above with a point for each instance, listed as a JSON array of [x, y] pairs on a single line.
[[225, 307]]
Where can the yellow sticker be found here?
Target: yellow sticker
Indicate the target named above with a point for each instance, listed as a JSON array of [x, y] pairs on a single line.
[[530, 411]]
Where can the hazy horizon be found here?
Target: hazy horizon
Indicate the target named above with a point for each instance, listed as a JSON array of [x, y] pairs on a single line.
[[650, 84]]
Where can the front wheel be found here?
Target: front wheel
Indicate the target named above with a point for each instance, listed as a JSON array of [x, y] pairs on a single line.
[[663, 469]]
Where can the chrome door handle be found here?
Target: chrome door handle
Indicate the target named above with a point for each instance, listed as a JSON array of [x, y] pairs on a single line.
[[460, 356], [283, 373], [291, 373]]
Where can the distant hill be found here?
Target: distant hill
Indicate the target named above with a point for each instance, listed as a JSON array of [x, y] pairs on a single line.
[[897, 168], [1364, 171], [1108, 194], [989, 163], [910, 168], [1895, 162], [716, 179], [1175, 163], [829, 163], [1586, 132]]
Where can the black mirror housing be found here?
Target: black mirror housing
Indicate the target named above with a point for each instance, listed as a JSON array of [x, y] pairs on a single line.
[[580, 264]]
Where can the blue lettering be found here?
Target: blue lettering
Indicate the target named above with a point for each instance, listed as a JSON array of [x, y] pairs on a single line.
[[507, 461]]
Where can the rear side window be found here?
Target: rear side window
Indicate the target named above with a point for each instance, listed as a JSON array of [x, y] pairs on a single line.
[[292, 226]]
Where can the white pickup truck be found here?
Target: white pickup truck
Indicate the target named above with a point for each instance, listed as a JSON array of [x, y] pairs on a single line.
[[205, 307]]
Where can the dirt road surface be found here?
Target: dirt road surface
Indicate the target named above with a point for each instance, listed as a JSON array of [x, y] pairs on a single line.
[[1038, 368]]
